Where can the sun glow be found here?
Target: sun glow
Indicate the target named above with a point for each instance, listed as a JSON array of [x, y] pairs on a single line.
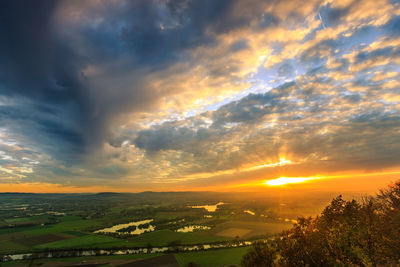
[[288, 180], [282, 161]]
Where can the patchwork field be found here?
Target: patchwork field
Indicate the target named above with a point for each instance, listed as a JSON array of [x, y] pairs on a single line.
[[220, 257], [103, 261], [40, 239], [246, 229], [73, 232], [234, 232], [69, 222], [7, 246], [89, 241]]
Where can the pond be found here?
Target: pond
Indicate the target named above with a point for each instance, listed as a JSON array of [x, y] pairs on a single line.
[[137, 231], [209, 208], [191, 228]]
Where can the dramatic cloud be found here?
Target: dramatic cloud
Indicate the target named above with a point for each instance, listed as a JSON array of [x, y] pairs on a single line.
[[148, 94]]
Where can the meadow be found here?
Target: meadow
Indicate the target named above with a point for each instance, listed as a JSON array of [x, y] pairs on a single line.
[[68, 222], [218, 257]]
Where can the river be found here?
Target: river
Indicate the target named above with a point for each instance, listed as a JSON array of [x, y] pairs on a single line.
[[123, 251]]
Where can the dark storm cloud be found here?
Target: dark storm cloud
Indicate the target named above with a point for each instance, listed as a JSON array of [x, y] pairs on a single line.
[[51, 127], [154, 40], [59, 131], [155, 34], [35, 65], [42, 61]]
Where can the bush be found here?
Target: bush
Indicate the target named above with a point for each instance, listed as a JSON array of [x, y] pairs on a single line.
[[260, 255]]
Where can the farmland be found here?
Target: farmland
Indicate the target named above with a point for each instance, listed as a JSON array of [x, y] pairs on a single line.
[[54, 222], [219, 257]]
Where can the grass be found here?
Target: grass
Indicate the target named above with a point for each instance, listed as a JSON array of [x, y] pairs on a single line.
[[83, 241], [255, 228], [208, 258], [233, 232], [14, 220], [18, 229], [7, 246], [66, 225], [75, 233], [76, 260], [175, 214], [41, 239], [163, 237], [74, 227], [212, 258], [157, 238], [28, 219]]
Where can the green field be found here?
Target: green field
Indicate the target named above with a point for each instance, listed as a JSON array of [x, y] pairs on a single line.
[[157, 238], [247, 229], [209, 258], [70, 235], [14, 220], [213, 258], [7, 246], [22, 231], [117, 259], [163, 237], [68, 223], [89, 241], [71, 232]]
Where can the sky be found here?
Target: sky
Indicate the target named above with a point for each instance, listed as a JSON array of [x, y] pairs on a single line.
[[225, 95]]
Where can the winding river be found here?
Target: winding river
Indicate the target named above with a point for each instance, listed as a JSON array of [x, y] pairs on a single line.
[[123, 251]]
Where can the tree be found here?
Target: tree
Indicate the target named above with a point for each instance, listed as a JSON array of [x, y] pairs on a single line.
[[260, 255], [389, 211], [301, 245], [347, 233]]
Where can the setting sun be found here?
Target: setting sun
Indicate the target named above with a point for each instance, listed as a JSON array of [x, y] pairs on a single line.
[[288, 180]]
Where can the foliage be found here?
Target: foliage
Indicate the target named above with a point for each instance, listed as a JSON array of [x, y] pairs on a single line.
[[347, 233], [261, 255]]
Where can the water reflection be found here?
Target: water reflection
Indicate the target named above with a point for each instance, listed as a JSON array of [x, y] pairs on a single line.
[[191, 228], [209, 208], [137, 231]]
